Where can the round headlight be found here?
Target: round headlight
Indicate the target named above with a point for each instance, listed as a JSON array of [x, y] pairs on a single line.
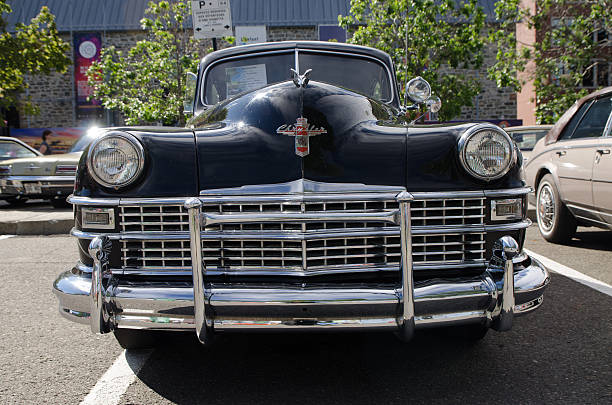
[[116, 159], [418, 90], [486, 152]]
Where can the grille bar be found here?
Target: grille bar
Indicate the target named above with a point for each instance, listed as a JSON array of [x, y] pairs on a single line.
[[306, 236]]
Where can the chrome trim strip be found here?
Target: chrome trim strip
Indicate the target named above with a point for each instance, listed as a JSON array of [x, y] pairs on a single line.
[[306, 217], [186, 271], [452, 318], [68, 178], [362, 323], [426, 195], [525, 223], [372, 195], [301, 186], [77, 200], [293, 235], [508, 192]]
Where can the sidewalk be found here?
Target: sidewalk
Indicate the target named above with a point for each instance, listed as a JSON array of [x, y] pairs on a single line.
[[35, 218]]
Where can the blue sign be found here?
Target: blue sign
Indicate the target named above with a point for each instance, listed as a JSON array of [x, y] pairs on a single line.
[[332, 32]]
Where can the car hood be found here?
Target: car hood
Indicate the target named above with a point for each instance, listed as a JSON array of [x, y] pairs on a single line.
[[253, 139], [42, 165]]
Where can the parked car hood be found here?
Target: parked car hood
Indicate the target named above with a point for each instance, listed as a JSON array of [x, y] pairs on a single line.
[[42, 165], [249, 140]]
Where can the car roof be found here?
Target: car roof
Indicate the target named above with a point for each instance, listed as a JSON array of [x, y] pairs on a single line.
[[528, 128], [288, 45], [19, 141], [558, 128]]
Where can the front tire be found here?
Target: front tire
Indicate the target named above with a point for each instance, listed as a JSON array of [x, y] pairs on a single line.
[[136, 338], [555, 222]]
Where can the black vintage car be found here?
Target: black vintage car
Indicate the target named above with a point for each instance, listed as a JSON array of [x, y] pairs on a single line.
[[300, 198]]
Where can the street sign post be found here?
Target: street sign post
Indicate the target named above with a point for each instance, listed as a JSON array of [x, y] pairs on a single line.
[[211, 19]]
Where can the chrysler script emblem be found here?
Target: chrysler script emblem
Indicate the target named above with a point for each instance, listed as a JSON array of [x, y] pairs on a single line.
[[302, 132]]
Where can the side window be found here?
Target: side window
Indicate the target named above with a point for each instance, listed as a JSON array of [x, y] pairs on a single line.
[[595, 119], [571, 126]]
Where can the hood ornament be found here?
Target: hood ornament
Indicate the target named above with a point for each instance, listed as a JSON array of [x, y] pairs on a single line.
[[302, 131], [300, 80]]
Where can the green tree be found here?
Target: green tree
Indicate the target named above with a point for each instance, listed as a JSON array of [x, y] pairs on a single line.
[[572, 42], [441, 36], [147, 84], [32, 49]]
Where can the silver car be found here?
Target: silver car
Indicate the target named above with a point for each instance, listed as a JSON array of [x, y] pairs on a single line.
[[571, 169], [527, 136]]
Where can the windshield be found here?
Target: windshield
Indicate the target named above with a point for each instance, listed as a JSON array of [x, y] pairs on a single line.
[[526, 140], [11, 150], [360, 74], [83, 141]]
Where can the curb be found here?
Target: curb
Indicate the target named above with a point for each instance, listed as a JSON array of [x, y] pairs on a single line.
[[48, 227]]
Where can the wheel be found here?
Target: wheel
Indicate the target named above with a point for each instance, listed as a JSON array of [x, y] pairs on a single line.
[[16, 201], [59, 202], [555, 222], [136, 338]]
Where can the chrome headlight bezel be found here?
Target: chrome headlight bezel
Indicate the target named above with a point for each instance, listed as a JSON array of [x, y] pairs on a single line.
[[469, 134], [133, 141]]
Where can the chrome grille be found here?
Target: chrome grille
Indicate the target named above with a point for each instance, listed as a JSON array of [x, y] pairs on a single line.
[[168, 218], [252, 246]]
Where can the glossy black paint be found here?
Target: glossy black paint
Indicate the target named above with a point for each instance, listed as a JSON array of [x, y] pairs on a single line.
[[236, 143], [171, 167]]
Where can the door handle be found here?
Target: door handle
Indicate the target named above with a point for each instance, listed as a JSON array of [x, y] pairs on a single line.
[[603, 151], [561, 152]]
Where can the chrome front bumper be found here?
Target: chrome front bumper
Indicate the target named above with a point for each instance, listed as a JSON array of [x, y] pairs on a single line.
[[493, 298], [165, 305], [46, 186]]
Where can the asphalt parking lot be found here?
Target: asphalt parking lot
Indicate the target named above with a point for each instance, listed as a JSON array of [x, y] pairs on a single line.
[[560, 353]]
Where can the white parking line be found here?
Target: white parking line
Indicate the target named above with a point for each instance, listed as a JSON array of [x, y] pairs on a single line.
[[113, 384], [571, 273], [6, 236]]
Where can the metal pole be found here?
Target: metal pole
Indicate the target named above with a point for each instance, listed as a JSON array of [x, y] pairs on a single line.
[[214, 42]]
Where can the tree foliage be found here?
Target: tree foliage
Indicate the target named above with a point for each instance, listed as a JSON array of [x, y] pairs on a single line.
[[147, 83], [32, 49], [572, 38], [441, 36]]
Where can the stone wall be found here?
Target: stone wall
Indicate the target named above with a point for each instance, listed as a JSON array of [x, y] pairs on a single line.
[[55, 96], [492, 102], [309, 33]]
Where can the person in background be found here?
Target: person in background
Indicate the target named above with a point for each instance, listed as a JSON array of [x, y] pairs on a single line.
[[44, 148]]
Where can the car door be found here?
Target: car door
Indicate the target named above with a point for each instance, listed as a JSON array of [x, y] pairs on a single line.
[[602, 173], [573, 156]]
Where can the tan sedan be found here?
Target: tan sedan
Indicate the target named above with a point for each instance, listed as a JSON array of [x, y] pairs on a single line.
[[571, 169]]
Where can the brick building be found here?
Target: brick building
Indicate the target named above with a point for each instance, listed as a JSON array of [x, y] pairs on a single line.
[[117, 22]]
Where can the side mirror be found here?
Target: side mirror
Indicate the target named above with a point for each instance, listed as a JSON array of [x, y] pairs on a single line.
[[418, 90], [433, 104], [190, 93]]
